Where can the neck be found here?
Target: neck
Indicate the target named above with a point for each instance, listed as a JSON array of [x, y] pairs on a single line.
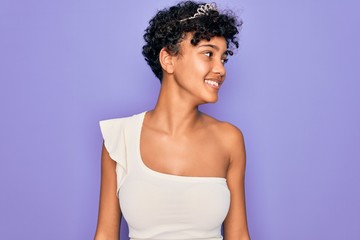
[[174, 113]]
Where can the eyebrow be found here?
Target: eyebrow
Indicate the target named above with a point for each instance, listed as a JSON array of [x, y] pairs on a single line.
[[214, 47], [210, 45]]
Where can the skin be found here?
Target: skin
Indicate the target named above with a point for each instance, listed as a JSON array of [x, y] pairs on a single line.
[[197, 144]]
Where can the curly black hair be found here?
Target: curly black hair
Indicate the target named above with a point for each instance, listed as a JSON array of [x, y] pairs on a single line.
[[170, 25]]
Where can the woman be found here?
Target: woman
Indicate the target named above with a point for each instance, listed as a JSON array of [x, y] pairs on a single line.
[[177, 172]]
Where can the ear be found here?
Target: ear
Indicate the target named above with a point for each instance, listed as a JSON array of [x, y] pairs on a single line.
[[166, 61]]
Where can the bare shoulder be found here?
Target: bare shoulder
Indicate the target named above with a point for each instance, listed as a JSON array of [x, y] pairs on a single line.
[[228, 132], [229, 137]]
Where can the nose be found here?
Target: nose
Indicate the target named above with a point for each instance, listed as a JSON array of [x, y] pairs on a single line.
[[219, 68]]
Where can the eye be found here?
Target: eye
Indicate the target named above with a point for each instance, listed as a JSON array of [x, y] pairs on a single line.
[[208, 54], [225, 57], [225, 60]]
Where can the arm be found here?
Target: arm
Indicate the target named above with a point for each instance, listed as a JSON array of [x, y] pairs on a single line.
[[235, 224], [108, 226]]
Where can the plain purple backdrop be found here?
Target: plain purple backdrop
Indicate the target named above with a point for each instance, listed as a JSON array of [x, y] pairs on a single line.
[[293, 88]]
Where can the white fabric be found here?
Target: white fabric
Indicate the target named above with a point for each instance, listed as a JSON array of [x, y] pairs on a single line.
[[160, 206]]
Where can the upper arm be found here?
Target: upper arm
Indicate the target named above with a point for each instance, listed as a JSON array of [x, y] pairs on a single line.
[[109, 209], [235, 225]]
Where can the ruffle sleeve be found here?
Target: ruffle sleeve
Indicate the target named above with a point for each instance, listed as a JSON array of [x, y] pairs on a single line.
[[113, 132]]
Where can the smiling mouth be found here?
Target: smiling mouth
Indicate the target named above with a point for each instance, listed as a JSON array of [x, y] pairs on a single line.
[[212, 83]]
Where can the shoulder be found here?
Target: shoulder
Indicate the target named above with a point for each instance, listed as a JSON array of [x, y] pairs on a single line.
[[121, 119], [230, 136], [233, 139], [118, 123], [227, 131]]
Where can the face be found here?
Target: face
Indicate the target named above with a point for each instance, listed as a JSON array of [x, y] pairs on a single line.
[[199, 70]]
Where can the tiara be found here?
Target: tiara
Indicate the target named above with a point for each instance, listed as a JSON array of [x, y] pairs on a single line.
[[202, 10]]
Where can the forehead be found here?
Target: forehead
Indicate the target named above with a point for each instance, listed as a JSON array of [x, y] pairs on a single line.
[[218, 42]]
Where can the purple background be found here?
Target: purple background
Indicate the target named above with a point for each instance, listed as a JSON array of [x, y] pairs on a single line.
[[293, 88]]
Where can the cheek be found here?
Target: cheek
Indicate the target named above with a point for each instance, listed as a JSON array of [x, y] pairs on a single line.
[[193, 67], [200, 66]]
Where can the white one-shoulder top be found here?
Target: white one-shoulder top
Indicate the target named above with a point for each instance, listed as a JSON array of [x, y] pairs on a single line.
[[159, 206]]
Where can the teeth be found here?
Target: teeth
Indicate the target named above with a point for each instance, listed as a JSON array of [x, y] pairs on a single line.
[[212, 83]]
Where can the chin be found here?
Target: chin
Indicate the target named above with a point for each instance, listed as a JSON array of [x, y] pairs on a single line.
[[208, 98], [212, 99]]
